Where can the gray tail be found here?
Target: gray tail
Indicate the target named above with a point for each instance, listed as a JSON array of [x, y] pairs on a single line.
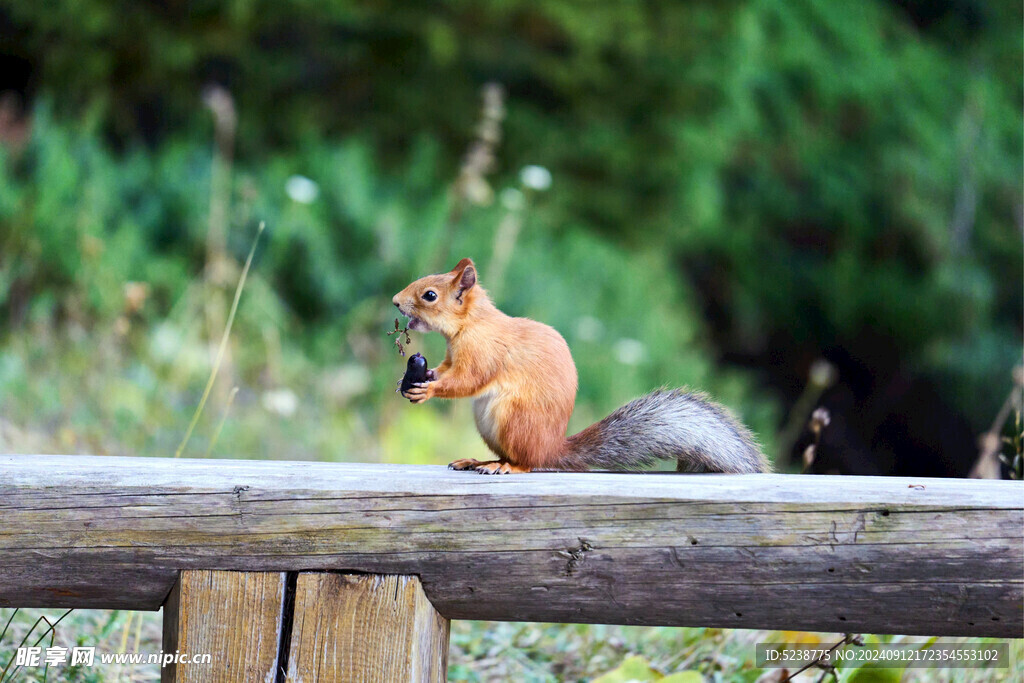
[[699, 434]]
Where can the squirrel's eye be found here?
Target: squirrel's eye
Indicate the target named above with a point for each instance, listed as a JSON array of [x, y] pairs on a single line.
[[430, 295]]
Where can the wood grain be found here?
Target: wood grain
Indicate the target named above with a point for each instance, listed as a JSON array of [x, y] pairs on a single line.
[[236, 617], [863, 554], [365, 628]]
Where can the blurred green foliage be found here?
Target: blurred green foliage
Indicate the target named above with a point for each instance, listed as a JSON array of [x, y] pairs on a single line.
[[81, 221], [813, 169]]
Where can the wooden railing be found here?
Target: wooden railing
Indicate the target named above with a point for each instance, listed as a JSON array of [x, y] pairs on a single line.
[[354, 570]]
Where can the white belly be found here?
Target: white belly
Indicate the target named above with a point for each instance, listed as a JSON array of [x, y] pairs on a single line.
[[483, 414]]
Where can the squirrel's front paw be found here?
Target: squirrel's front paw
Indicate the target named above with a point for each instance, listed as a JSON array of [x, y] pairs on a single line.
[[420, 392], [465, 464]]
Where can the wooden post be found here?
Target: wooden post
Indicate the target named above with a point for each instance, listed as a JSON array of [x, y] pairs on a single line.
[[339, 627], [365, 628], [236, 617]]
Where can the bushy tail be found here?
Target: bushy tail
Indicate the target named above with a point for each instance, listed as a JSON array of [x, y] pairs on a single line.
[[700, 435]]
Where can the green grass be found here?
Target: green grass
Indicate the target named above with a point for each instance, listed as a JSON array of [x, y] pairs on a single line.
[[500, 651]]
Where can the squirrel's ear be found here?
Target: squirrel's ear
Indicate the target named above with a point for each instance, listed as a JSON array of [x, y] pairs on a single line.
[[462, 265], [465, 277], [468, 278]]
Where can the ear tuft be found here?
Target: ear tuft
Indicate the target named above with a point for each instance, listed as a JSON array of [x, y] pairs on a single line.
[[463, 264]]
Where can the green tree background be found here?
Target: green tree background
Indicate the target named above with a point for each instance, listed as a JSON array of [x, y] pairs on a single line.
[[784, 203], [739, 188]]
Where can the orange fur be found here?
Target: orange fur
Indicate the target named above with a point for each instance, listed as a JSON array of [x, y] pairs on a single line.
[[522, 380], [519, 372]]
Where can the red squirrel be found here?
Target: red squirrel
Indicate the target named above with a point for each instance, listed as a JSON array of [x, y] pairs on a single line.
[[522, 379]]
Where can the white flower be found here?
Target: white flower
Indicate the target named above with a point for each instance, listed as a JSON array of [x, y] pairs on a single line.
[[630, 351], [284, 402], [535, 178], [301, 189]]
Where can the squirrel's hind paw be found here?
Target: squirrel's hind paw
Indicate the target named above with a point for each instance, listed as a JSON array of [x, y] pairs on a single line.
[[501, 468]]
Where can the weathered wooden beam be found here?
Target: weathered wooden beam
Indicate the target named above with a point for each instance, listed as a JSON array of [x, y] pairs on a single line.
[[864, 554], [365, 627], [235, 617]]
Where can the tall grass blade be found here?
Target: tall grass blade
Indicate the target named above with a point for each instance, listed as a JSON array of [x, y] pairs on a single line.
[[223, 343]]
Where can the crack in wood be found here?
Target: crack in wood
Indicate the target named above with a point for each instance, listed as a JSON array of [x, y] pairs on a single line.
[[576, 556], [285, 627]]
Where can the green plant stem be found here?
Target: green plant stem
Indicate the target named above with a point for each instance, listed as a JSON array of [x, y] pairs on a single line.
[[847, 639], [53, 638], [8, 624], [3, 674], [52, 626], [223, 344], [223, 419]]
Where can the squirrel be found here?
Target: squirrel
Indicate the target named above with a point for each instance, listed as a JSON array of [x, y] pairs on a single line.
[[522, 379]]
